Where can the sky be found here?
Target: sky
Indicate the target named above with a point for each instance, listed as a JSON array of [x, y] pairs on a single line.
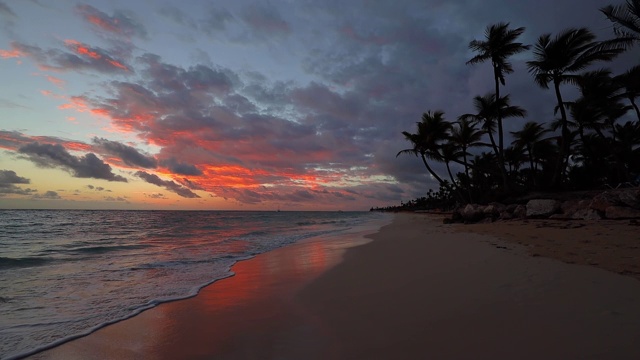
[[247, 105]]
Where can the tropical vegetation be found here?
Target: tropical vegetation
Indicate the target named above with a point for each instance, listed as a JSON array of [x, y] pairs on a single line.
[[593, 143]]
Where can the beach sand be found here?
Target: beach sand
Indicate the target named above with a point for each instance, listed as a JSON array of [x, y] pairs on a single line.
[[419, 290]]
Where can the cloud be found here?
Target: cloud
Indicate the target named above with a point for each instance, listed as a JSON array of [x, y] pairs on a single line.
[[265, 21], [49, 195], [128, 154], [169, 185], [180, 168], [8, 181], [56, 156], [79, 57], [116, 199], [155, 196], [120, 23], [216, 20], [6, 11]]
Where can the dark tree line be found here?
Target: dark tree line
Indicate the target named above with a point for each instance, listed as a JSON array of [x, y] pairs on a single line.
[[593, 142]]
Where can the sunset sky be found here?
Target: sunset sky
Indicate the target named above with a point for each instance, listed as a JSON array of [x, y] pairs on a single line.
[[297, 105]]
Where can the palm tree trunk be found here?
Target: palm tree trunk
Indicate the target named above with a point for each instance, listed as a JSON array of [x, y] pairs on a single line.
[[424, 160], [466, 171], [533, 171], [564, 148], [503, 171], [453, 181], [496, 76]]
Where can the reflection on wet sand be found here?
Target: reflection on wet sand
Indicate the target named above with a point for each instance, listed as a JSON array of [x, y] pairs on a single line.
[[252, 314]]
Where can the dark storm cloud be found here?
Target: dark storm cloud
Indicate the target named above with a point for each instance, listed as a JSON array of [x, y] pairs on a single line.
[[8, 183], [128, 154], [169, 185], [121, 23], [56, 156]]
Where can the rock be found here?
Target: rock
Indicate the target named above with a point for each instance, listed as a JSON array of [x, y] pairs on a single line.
[[511, 208], [542, 208], [505, 215], [570, 207], [520, 212], [630, 197], [586, 214], [621, 212], [491, 211], [472, 213], [602, 201], [560, 217]]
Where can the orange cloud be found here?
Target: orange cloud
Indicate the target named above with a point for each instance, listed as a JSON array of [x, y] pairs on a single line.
[[100, 22], [55, 81], [13, 53], [118, 65], [82, 50]]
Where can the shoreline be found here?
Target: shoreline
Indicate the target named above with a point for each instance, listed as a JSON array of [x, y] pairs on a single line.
[[419, 289], [287, 268]]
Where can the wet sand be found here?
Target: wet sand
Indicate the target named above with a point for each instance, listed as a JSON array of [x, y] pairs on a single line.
[[419, 290]]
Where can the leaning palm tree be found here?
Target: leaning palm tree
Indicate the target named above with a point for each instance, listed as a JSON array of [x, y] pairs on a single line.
[[557, 60], [432, 131], [499, 44], [625, 19]]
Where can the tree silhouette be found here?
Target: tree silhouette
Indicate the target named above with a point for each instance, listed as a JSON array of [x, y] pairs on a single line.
[[432, 131], [499, 44], [625, 18], [557, 61]]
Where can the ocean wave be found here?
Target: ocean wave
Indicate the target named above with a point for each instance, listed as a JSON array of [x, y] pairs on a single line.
[[105, 249], [8, 263]]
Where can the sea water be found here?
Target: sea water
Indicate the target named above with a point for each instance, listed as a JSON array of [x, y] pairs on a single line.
[[66, 273]]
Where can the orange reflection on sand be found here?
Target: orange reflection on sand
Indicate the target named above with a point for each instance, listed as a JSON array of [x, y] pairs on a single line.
[[251, 311]]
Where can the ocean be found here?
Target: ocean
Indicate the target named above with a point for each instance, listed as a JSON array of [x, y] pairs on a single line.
[[66, 273]]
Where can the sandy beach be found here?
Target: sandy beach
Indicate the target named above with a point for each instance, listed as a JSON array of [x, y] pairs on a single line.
[[419, 290]]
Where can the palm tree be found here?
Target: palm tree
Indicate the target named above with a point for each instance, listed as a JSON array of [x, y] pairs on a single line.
[[450, 152], [557, 60], [600, 103], [432, 131], [630, 81], [465, 135], [499, 44], [487, 112], [527, 138], [626, 19]]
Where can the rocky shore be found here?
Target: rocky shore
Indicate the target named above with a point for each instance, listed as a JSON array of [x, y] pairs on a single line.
[[615, 204]]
